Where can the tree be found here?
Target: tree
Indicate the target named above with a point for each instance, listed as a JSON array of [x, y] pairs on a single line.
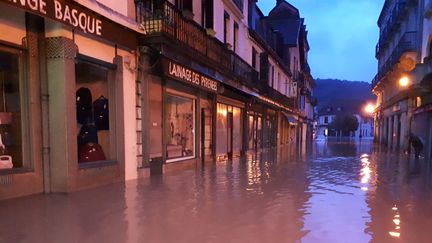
[[344, 124]]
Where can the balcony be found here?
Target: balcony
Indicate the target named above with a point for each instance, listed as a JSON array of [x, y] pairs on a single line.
[[161, 19], [392, 26], [406, 44], [239, 4]]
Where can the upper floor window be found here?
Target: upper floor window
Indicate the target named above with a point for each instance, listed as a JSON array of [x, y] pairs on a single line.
[[235, 33], [279, 83], [207, 14], [226, 26], [254, 57], [271, 77], [239, 4], [185, 5], [326, 120]]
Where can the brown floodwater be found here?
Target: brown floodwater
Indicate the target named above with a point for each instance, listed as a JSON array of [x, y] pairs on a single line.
[[339, 191]]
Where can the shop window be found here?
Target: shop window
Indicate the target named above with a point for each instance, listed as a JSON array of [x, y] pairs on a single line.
[[181, 128], [418, 101], [93, 102], [11, 120], [222, 129]]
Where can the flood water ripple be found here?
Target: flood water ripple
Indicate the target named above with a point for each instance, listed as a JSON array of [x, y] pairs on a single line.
[[335, 191]]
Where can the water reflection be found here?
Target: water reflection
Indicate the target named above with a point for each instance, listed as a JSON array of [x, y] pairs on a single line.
[[333, 191]]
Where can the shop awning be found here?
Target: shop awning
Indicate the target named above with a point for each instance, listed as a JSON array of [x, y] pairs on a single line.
[[290, 118]]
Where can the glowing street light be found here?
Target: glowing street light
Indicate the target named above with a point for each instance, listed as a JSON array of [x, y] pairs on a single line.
[[369, 108], [404, 81]]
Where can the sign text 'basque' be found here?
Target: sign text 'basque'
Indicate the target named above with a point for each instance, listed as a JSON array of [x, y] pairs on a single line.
[[78, 17], [64, 13]]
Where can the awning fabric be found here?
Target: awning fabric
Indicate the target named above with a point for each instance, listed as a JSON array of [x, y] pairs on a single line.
[[290, 118]]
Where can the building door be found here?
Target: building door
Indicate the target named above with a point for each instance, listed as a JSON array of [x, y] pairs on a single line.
[[206, 133], [399, 128], [252, 132], [230, 134]]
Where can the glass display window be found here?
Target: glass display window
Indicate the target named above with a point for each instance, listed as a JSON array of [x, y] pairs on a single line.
[[94, 134], [222, 129], [11, 96], [180, 118], [229, 132]]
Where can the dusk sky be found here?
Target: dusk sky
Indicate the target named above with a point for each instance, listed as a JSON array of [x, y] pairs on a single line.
[[342, 36]]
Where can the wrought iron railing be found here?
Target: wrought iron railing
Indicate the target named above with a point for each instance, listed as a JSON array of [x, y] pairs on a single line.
[[160, 17], [406, 44], [393, 24]]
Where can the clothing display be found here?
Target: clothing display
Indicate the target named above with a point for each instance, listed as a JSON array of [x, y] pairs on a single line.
[[84, 105], [92, 108], [88, 134], [90, 152], [92, 121], [101, 113]]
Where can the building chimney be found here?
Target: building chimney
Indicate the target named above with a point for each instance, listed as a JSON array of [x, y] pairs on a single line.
[[279, 1]]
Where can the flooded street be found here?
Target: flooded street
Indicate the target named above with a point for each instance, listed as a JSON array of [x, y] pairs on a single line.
[[342, 191]]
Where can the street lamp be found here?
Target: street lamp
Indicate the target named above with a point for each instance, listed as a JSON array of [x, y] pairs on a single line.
[[404, 81], [369, 108]]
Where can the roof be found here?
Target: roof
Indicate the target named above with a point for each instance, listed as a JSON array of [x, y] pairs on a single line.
[[285, 18], [288, 28], [283, 9]]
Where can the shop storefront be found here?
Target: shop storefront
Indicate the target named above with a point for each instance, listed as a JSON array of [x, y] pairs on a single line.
[[62, 98], [229, 127], [188, 113], [255, 127], [287, 128]]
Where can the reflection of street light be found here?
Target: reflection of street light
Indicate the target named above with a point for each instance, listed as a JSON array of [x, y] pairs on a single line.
[[404, 81]]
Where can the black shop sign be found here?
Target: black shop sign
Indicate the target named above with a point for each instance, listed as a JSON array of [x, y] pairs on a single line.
[[79, 18], [182, 73]]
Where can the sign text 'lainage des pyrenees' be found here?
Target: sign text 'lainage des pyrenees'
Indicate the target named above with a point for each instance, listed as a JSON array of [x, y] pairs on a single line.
[[78, 17], [185, 74]]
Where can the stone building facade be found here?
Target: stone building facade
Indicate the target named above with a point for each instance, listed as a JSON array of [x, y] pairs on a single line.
[[97, 92]]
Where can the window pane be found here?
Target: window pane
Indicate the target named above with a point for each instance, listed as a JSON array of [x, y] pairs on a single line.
[[181, 127], [10, 111], [92, 111], [222, 129]]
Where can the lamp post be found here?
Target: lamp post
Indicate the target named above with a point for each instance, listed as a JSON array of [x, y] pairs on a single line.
[[405, 82], [369, 110]]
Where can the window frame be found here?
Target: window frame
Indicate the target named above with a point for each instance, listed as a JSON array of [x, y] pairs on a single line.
[[27, 152]]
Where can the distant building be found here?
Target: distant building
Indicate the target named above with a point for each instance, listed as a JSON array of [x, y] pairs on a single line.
[[328, 114]]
